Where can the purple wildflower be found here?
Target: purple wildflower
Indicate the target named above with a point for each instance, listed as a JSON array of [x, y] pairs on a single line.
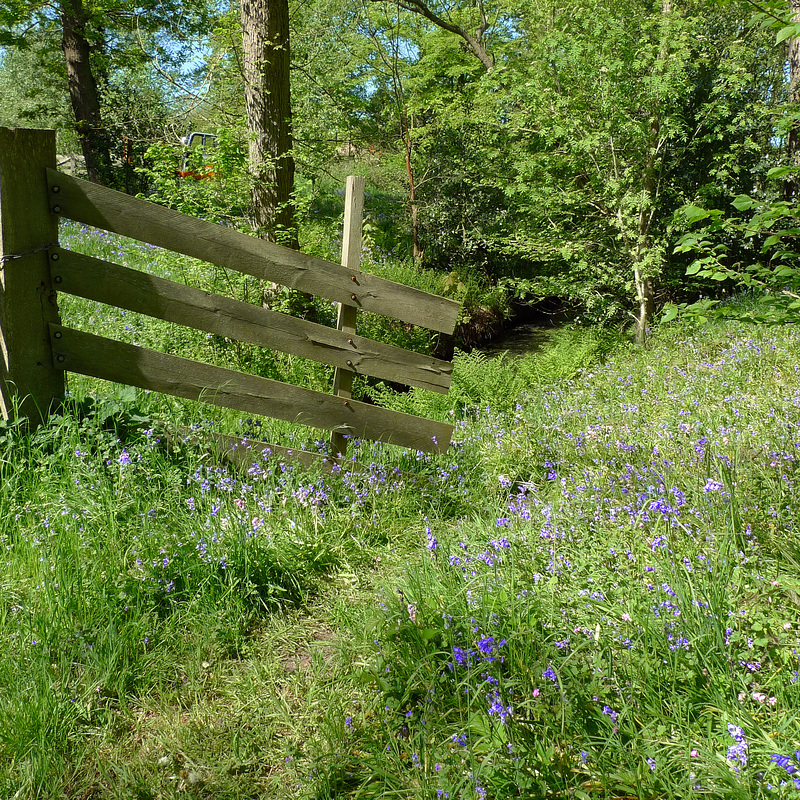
[[737, 753], [611, 713]]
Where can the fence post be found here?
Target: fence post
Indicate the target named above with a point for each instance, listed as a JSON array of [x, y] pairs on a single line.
[[346, 321], [29, 383]]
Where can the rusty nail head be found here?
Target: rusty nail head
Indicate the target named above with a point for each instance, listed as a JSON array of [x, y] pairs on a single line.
[[352, 297], [349, 341], [347, 402], [349, 363], [353, 278]]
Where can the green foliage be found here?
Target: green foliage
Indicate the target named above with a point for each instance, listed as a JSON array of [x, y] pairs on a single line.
[[755, 253], [216, 186], [30, 90], [502, 618], [501, 382], [560, 169], [129, 49]]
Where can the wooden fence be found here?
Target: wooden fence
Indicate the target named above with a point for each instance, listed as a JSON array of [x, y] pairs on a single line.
[[37, 349]]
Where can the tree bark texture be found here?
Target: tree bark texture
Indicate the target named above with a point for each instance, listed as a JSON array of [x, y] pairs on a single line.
[[791, 187], [265, 32], [644, 285], [83, 90]]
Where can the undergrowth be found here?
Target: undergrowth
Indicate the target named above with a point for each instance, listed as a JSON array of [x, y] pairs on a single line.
[[593, 593]]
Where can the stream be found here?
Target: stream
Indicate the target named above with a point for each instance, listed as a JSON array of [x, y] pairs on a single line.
[[519, 340]]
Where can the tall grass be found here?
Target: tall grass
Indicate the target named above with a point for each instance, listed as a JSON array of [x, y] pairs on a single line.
[[593, 593]]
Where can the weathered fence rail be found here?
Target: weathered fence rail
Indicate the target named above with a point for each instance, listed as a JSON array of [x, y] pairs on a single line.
[[37, 348], [147, 294], [148, 222]]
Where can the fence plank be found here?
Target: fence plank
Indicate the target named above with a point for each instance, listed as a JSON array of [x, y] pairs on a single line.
[[139, 219], [142, 293], [347, 314], [124, 363], [28, 383]]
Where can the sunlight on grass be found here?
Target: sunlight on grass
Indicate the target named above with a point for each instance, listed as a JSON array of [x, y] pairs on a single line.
[[594, 593]]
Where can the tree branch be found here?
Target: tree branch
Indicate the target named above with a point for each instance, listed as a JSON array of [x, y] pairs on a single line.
[[474, 44]]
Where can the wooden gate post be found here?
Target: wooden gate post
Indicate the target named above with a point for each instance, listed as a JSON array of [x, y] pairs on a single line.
[[351, 257], [29, 383]]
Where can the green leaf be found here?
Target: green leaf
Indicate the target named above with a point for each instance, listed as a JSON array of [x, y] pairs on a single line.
[[127, 394], [670, 313], [785, 33], [779, 172], [720, 276], [743, 202], [694, 213]]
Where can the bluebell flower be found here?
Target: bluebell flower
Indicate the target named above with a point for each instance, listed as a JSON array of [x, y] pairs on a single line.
[[611, 713], [786, 762], [737, 753], [550, 674]]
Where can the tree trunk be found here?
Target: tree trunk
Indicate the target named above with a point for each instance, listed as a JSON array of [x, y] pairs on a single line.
[[644, 285], [646, 297], [265, 37], [83, 91], [791, 187]]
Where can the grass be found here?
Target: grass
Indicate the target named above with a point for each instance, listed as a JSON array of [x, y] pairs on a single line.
[[594, 593]]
